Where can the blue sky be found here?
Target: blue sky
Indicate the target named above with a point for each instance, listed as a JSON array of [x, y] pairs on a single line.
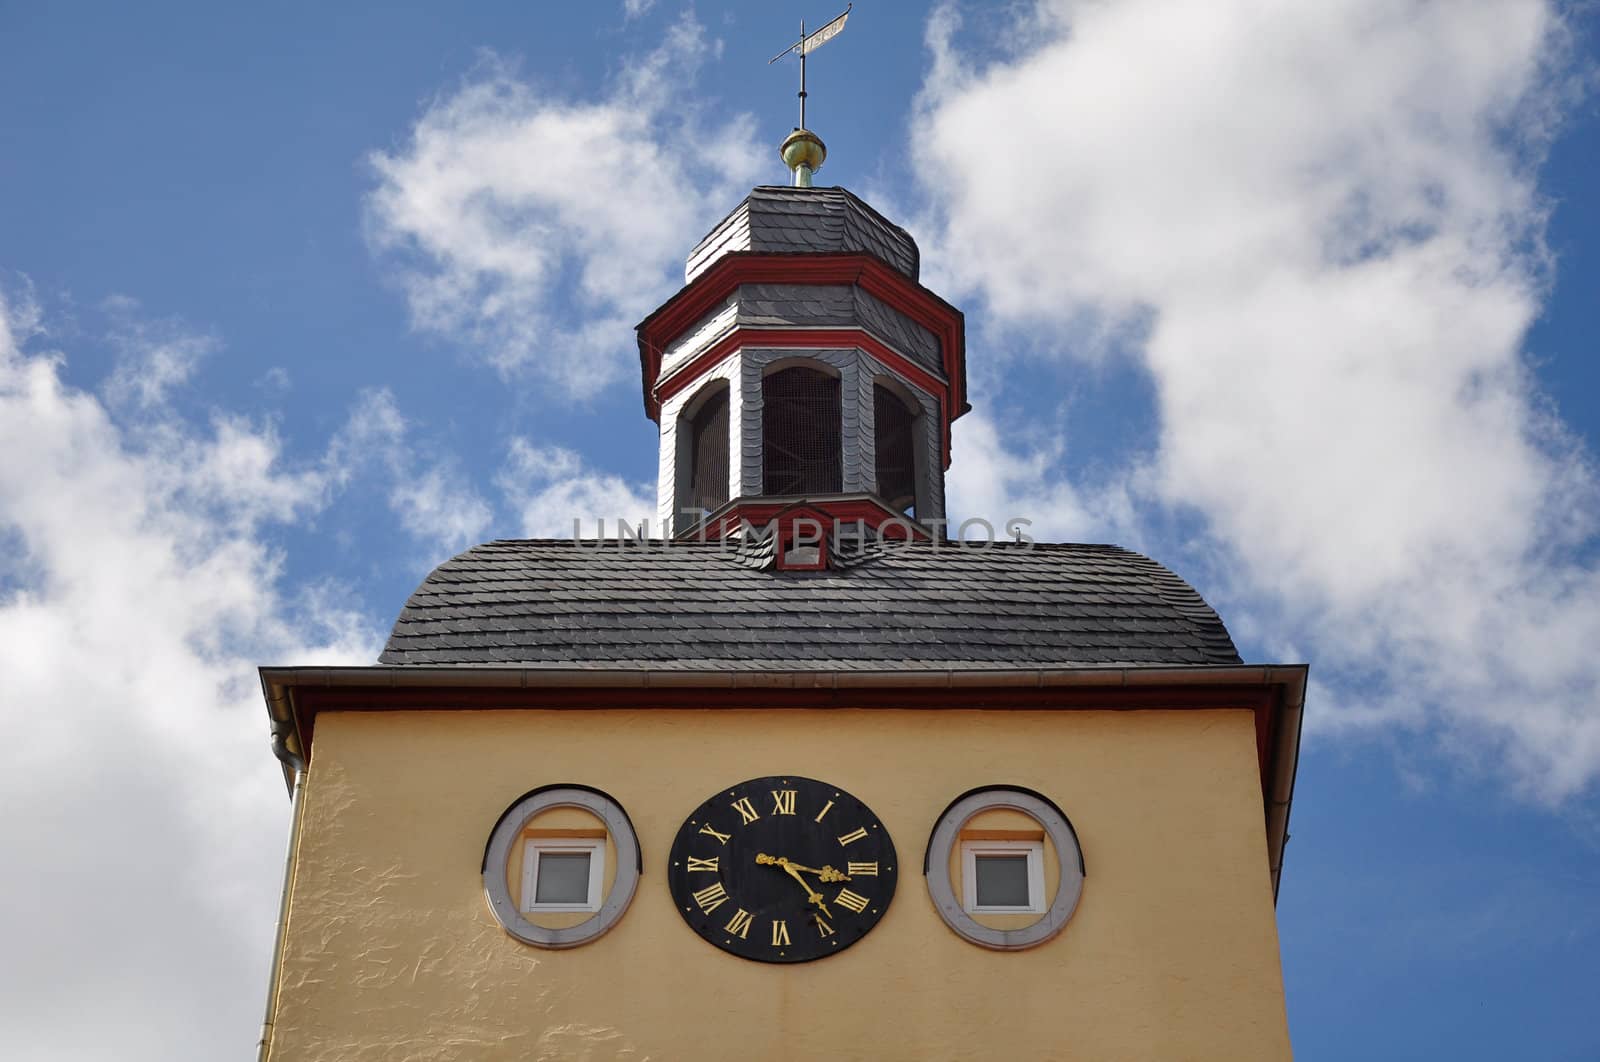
[[1300, 301]]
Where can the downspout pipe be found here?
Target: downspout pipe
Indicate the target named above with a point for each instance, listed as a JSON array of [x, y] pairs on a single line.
[[282, 729], [1285, 767]]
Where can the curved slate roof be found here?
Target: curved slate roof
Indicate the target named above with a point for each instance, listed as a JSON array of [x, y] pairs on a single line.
[[831, 305], [557, 603], [820, 220]]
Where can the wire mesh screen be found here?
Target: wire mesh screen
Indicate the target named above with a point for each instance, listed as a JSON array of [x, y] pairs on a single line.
[[893, 436], [800, 433], [708, 453]]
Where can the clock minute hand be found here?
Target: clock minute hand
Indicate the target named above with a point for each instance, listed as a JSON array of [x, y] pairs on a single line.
[[814, 897], [790, 868]]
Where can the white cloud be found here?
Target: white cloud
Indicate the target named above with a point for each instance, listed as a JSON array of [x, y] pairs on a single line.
[[1000, 479], [1319, 228], [554, 492], [153, 357], [537, 230], [146, 821], [434, 506], [435, 501], [632, 9], [275, 381]]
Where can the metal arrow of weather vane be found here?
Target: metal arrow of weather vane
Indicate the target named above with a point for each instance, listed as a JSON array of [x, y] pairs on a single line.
[[805, 45]]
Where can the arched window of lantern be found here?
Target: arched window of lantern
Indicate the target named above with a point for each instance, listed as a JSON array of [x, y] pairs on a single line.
[[801, 436], [896, 458], [703, 450]]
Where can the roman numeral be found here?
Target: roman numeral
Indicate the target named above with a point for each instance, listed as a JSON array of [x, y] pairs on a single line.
[[711, 897], [780, 934], [696, 863], [747, 811], [854, 835], [854, 869], [823, 928], [823, 812], [846, 898], [783, 801], [723, 837], [739, 924]]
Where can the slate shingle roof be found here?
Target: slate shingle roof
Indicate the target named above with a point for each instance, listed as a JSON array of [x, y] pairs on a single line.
[[554, 603], [780, 219], [839, 305], [826, 219]]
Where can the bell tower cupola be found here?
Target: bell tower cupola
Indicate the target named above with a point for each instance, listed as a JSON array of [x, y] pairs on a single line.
[[803, 366]]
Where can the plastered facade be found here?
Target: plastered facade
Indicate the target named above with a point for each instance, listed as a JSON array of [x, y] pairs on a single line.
[[392, 953]]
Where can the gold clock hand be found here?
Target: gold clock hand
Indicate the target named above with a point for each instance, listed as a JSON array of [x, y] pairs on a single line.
[[814, 897], [827, 873], [793, 871]]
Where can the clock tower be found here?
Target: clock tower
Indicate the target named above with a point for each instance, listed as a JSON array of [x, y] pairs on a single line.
[[807, 777]]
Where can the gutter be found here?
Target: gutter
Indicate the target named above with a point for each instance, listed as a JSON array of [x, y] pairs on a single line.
[[277, 682]]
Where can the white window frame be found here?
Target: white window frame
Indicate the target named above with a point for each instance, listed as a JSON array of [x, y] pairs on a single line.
[[534, 847], [1033, 850]]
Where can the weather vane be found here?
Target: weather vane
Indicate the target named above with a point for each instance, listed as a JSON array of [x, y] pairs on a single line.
[[805, 45]]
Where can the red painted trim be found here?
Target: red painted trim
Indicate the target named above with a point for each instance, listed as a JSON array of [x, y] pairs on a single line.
[[687, 375], [826, 338], [697, 298], [1179, 697], [705, 292]]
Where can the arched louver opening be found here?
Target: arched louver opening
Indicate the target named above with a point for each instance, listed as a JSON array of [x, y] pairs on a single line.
[[800, 432], [708, 452], [894, 437]]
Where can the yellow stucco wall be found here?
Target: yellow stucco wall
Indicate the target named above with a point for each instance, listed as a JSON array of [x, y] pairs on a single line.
[[392, 952]]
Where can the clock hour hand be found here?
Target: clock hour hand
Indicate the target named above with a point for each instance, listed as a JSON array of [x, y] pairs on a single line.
[[826, 874]]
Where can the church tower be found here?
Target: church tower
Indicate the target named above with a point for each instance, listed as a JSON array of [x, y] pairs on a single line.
[[807, 777]]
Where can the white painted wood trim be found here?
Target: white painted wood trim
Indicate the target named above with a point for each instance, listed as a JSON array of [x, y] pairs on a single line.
[[1033, 850], [534, 847]]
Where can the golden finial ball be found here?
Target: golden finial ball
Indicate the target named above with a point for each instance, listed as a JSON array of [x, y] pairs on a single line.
[[803, 148]]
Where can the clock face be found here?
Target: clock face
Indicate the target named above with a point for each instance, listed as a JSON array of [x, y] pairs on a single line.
[[782, 869]]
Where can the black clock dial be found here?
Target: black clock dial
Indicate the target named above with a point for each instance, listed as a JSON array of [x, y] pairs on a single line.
[[782, 869]]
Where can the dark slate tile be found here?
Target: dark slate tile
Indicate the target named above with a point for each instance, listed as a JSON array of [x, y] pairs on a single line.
[[548, 602]]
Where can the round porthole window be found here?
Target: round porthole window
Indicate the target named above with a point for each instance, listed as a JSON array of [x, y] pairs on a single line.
[[561, 866], [1003, 868]]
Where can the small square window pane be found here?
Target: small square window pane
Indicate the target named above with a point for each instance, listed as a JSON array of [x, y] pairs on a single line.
[[563, 878], [801, 556], [1002, 880]]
